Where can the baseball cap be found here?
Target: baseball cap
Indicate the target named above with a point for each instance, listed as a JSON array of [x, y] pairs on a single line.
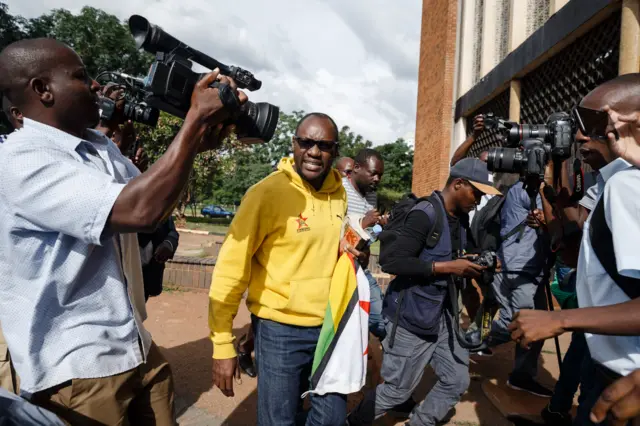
[[476, 172]]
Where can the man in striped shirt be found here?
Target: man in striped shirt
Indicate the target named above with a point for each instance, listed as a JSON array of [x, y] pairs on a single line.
[[361, 186]]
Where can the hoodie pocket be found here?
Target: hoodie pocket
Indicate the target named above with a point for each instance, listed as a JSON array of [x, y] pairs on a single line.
[[309, 298]]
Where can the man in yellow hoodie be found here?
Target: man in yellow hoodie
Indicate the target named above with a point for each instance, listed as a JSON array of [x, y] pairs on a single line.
[[283, 246]]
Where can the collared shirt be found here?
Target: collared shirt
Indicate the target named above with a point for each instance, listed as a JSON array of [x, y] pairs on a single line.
[[526, 252], [594, 286], [67, 285], [356, 203]]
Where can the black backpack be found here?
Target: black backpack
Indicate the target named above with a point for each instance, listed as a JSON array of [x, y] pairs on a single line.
[[396, 221], [485, 226]]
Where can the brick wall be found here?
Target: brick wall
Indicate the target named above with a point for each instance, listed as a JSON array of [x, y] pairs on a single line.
[[195, 272], [192, 272], [434, 121]]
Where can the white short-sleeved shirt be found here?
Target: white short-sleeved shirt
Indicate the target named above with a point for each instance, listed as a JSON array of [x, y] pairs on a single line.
[[619, 184], [69, 289]]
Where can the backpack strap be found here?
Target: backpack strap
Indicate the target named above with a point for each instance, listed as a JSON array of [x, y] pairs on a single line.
[[437, 224], [519, 229], [602, 243]]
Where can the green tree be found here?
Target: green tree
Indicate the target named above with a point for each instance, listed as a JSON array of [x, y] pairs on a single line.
[[11, 27], [200, 185], [350, 143], [398, 166], [102, 41]]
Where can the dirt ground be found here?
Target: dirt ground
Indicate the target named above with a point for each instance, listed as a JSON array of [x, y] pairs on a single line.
[[178, 322]]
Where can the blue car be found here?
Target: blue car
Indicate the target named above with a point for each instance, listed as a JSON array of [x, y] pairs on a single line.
[[216, 211]]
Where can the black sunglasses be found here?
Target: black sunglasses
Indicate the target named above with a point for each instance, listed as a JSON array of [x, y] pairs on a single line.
[[324, 146]]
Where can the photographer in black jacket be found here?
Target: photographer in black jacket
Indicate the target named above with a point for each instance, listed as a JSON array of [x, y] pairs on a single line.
[[416, 307]]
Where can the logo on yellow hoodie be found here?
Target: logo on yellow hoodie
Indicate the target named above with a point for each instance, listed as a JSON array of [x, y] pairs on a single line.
[[302, 223]]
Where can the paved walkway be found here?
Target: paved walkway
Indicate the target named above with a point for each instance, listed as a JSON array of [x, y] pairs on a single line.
[[178, 322]]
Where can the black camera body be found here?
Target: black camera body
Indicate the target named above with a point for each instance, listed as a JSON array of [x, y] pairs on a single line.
[[135, 107], [170, 82], [538, 143], [487, 259]]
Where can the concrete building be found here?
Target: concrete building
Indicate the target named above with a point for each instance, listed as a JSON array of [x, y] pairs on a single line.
[[520, 59]]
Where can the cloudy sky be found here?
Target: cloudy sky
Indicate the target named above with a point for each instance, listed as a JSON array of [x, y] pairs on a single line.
[[356, 60]]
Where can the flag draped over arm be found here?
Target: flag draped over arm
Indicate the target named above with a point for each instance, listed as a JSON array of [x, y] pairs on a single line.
[[340, 360]]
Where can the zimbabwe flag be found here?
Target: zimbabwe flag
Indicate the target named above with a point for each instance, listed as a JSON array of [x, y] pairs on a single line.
[[340, 360]]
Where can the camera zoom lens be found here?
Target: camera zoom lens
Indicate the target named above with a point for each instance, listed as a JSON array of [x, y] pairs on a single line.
[[505, 160]]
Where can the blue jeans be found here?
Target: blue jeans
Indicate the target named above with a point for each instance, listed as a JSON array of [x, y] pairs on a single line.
[[284, 356], [376, 321], [572, 375]]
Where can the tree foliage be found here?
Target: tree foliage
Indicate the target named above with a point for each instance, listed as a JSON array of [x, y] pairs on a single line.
[[105, 43]]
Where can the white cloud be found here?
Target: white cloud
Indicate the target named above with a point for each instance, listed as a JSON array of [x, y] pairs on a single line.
[[356, 60]]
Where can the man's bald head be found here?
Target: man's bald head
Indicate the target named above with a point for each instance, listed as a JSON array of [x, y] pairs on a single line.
[[24, 60], [345, 166], [47, 81], [622, 94], [319, 117]]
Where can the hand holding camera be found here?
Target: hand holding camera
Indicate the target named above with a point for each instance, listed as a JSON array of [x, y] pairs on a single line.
[[462, 267], [478, 125]]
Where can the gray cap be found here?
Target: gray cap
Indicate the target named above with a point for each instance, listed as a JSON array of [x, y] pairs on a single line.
[[476, 172]]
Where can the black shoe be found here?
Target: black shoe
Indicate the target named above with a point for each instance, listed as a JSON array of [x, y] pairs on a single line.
[[246, 364], [403, 410], [556, 418], [529, 385]]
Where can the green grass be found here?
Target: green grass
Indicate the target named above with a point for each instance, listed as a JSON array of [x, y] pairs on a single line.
[[375, 248], [171, 288], [217, 226]]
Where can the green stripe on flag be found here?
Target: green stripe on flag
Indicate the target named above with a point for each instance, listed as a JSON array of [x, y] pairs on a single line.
[[327, 333]]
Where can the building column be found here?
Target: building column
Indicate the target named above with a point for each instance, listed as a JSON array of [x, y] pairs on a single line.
[[518, 31], [434, 124], [467, 37], [556, 5], [630, 38], [514, 100], [459, 134], [489, 51]]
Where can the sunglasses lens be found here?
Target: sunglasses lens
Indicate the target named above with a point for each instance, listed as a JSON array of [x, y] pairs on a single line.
[[324, 146]]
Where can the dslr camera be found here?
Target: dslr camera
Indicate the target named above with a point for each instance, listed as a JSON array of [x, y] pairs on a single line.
[[530, 146], [169, 84]]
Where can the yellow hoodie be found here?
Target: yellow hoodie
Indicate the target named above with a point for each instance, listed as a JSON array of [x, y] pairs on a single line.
[[283, 246]]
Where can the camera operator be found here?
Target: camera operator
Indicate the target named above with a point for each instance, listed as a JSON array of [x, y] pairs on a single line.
[[155, 247], [608, 313], [523, 254], [417, 314], [71, 304]]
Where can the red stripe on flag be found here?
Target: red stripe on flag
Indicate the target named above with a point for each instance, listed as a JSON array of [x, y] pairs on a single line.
[[365, 306]]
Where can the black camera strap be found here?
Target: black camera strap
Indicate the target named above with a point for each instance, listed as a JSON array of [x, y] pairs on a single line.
[[602, 242]]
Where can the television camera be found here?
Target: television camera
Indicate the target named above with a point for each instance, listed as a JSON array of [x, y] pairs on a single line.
[[170, 82]]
